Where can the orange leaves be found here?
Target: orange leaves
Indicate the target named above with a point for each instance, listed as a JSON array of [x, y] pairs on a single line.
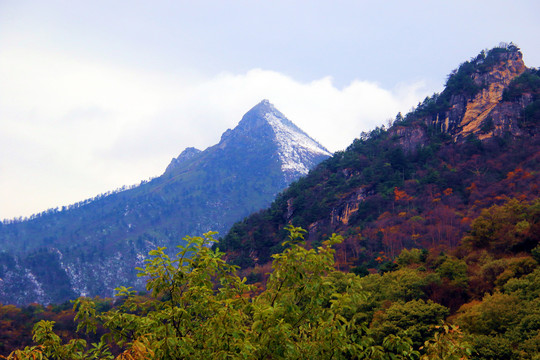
[[518, 173], [472, 188], [382, 258], [401, 195]]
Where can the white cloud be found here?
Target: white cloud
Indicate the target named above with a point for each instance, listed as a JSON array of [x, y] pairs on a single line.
[[71, 129]]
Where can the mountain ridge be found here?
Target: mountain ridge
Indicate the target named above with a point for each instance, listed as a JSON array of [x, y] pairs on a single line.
[[98, 244]]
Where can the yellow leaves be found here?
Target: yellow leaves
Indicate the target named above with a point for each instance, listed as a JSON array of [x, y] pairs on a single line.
[[382, 257], [385, 215], [139, 350], [124, 291], [32, 353]]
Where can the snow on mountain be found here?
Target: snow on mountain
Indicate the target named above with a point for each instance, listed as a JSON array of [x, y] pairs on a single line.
[[296, 150], [294, 147], [96, 247]]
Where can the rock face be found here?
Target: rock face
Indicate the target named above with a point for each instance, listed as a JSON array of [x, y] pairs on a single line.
[[476, 106], [508, 67], [188, 153], [485, 115], [348, 206], [94, 247]]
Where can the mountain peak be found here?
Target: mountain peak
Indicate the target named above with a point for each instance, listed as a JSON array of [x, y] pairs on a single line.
[[265, 104], [185, 155], [199, 191], [256, 116]]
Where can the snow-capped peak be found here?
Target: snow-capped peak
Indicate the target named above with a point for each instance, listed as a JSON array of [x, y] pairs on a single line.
[[296, 150]]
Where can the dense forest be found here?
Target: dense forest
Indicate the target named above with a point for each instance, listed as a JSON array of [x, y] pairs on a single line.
[[198, 307], [419, 241]]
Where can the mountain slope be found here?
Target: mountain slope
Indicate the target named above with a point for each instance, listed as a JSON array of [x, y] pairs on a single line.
[[420, 182], [89, 249]]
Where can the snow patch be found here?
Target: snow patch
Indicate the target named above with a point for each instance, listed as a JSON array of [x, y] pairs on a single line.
[[37, 285], [296, 150]]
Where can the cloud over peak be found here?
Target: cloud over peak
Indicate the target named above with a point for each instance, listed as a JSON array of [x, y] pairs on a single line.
[[73, 128]]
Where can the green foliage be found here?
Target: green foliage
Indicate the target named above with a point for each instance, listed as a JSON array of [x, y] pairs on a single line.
[[410, 256], [401, 285], [506, 228], [525, 287], [360, 270], [505, 325], [201, 309], [454, 270], [536, 253], [528, 82], [388, 266], [491, 347], [415, 319], [448, 344], [531, 114], [49, 345], [460, 81]]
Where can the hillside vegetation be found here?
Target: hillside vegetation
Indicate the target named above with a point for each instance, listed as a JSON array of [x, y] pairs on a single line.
[[415, 184], [420, 241]]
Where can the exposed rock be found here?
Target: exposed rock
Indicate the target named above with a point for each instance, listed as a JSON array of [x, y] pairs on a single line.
[[510, 66], [290, 208], [409, 137], [348, 206], [485, 115], [187, 154]]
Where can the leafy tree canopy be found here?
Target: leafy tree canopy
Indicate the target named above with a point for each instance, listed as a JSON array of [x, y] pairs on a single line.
[[200, 309]]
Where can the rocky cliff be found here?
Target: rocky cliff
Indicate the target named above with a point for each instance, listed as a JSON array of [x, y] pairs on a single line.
[[488, 96], [483, 112]]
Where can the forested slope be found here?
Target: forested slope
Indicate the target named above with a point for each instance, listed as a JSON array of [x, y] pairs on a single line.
[[420, 182]]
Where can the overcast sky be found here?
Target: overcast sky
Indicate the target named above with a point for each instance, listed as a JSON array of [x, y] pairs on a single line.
[[99, 94]]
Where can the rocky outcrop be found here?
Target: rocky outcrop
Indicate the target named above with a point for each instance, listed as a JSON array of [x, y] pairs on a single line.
[[485, 114], [409, 138], [187, 154], [483, 105], [348, 206]]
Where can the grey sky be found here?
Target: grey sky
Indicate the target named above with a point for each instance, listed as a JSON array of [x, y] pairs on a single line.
[[99, 94]]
